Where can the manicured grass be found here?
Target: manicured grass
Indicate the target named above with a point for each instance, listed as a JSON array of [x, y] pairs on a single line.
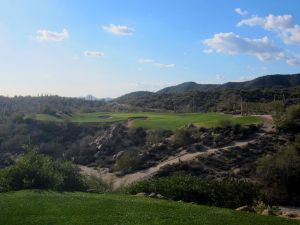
[[153, 120], [35, 208]]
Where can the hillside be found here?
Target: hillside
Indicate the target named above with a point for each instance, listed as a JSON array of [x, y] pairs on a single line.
[[36, 207], [263, 82], [188, 86], [193, 97], [269, 81]]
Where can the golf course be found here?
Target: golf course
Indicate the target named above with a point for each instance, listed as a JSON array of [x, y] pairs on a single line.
[[151, 120], [41, 207]]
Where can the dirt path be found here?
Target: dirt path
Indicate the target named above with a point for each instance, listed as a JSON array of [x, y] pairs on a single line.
[[268, 125], [117, 182]]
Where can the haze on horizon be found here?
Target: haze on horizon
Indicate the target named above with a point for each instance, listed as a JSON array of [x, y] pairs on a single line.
[[109, 48]]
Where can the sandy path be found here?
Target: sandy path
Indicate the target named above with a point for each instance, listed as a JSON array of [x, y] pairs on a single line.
[[268, 125]]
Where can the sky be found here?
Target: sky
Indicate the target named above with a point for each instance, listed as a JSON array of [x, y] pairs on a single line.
[[109, 48]]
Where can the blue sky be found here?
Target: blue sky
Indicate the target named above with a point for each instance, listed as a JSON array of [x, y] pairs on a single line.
[[109, 48]]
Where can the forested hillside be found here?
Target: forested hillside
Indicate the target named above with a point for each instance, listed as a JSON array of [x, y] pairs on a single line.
[[256, 96]]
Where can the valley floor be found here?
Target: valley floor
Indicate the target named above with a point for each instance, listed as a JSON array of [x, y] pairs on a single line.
[[38, 207]]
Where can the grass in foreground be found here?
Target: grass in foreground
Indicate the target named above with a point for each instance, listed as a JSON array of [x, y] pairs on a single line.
[[34, 208], [169, 121]]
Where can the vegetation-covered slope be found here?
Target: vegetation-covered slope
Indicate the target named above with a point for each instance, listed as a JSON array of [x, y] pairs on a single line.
[[269, 81], [34, 207], [229, 97]]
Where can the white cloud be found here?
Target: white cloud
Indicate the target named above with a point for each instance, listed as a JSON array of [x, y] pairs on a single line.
[[156, 64], [293, 61], [240, 11], [291, 35], [94, 54], [263, 48], [283, 25], [253, 21], [47, 35], [118, 30], [161, 65], [230, 43]]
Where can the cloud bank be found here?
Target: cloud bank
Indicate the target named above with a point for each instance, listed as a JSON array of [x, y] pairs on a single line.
[[262, 48], [282, 25]]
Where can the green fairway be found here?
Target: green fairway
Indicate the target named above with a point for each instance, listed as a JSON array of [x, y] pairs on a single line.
[[36, 208], [153, 120]]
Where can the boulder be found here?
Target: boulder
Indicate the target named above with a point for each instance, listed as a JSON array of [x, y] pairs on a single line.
[[142, 194], [268, 212], [160, 196], [91, 190], [245, 208], [152, 195]]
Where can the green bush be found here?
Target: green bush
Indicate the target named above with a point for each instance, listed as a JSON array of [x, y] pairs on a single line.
[[36, 171], [157, 136], [290, 121], [280, 175], [127, 162], [96, 184], [226, 123], [227, 193], [183, 137]]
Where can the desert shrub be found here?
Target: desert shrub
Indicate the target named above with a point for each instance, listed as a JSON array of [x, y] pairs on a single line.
[[72, 179], [280, 175], [37, 171], [183, 137], [127, 162], [137, 135], [96, 184], [157, 136], [226, 123], [290, 121], [227, 193]]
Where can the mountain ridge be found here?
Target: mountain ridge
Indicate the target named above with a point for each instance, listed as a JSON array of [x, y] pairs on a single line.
[[267, 81], [262, 82]]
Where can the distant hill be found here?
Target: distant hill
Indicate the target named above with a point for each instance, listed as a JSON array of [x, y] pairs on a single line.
[[264, 82], [90, 98], [187, 87], [269, 81], [191, 97], [137, 94]]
